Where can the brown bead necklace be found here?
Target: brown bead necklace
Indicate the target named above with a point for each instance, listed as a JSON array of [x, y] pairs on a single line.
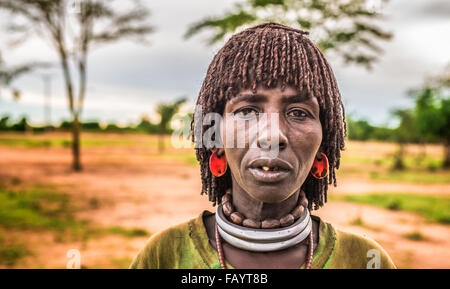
[[239, 219], [285, 221]]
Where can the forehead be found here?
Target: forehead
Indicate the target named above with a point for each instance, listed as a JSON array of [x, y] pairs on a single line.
[[287, 95]]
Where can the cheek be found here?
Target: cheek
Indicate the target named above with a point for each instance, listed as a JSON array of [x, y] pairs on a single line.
[[234, 160], [237, 133], [306, 142], [232, 137]]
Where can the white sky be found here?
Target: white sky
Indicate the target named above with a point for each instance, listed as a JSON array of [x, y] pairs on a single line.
[[126, 80]]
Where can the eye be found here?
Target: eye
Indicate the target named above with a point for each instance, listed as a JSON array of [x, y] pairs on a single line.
[[297, 113], [247, 113]]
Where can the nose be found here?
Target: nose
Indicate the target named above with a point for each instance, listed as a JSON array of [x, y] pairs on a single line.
[[279, 140]]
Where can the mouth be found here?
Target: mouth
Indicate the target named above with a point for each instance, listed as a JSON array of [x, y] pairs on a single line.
[[270, 170]]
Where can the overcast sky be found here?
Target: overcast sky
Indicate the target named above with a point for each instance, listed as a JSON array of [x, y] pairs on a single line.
[[126, 80]]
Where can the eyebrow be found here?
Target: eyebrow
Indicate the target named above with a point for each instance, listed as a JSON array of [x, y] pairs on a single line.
[[302, 97], [251, 97]]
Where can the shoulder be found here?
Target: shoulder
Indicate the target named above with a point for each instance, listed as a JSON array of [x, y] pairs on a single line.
[[165, 248], [352, 250]]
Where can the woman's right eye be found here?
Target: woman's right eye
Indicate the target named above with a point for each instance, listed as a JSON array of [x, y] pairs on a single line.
[[247, 112]]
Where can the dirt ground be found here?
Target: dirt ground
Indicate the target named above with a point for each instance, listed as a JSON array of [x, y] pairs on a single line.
[[135, 188]]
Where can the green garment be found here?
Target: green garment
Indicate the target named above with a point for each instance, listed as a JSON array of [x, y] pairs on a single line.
[[186, 246]]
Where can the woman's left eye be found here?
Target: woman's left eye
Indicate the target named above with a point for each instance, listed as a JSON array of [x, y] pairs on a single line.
[[297, 113]]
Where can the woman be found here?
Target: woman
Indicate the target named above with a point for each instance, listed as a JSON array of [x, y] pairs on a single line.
[[266, 187]]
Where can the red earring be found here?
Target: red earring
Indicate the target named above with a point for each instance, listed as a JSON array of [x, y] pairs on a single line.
[[319, 169], [217, 164]]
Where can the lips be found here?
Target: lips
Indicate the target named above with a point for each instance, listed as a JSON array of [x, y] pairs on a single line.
[[271, 164], [270, 170]]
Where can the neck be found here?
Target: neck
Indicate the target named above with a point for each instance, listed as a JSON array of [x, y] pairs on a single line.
[[258, 210]]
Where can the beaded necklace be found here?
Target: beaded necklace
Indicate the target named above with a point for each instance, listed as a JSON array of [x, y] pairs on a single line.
[[281, 238]]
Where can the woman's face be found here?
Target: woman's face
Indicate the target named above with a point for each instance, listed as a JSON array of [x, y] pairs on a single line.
[[265, 176]]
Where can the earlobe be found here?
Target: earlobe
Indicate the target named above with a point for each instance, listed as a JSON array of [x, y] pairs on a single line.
[[320, 167], [220, 152], [319, 155], [218, 162]]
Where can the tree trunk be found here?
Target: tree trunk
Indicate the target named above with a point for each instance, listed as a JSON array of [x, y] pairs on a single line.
[[161, 142], [422, 153], [446, 164], [76, 162], [398, 158]]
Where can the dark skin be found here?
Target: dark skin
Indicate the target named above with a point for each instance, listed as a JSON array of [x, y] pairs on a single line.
[[298, 139]]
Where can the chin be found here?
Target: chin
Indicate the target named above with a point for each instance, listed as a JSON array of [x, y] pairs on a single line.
[[269, 194]]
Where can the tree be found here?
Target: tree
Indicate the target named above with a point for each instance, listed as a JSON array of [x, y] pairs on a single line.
[[145, 125], [9, 74], [445, 129], [404, 133], [432, 113], [4, 123], [166, 112], [345, 27], [73, 28], [22, 125], [359, 129]]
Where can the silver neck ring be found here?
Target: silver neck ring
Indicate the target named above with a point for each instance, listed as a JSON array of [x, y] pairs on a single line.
[[263, 240]]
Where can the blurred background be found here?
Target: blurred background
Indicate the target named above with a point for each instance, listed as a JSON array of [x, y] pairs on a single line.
[[91, 90]]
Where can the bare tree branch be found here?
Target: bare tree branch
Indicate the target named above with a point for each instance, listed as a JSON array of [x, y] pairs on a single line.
[[346, 27], [97, 22]]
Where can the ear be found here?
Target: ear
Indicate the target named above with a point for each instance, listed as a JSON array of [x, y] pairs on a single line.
[[319, 154], [220, 152]]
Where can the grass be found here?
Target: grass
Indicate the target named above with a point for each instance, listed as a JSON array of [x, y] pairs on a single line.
[[62, 142], [135, 232], [358, 221], [188, 158], [414, 176], [377, 164], [428, 171], [386, 160], [121, 263], [44, 209], [40, 209], [86, 141], [26, 142], [11, 253], [415, 236], [433, 208], [35, 209], [364, 163]]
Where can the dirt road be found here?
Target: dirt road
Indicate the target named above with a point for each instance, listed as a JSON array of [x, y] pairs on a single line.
[[136, 188]]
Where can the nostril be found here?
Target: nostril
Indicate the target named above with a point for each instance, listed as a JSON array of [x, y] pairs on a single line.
[[267, 145], [263, 144]]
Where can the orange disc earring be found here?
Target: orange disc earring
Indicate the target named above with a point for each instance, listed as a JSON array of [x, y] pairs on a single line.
[[217, 164], [319, 168]]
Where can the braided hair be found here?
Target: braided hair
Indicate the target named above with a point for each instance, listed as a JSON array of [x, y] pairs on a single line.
[[272, 54]]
